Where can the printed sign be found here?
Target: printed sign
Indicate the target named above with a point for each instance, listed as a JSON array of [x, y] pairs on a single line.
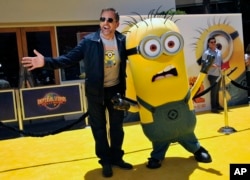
[[49, 101]]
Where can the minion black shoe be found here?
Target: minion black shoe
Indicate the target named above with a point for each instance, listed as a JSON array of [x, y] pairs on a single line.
[[202, 155]]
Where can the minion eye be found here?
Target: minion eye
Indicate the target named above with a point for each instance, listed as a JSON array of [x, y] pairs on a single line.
[[224, 43], [172, 43], [150, 47]]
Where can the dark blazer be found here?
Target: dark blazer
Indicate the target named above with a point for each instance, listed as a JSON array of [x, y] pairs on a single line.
[[90, 50]]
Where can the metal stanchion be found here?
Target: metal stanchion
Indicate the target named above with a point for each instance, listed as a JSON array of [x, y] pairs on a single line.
[[226, 129], [19, 110]]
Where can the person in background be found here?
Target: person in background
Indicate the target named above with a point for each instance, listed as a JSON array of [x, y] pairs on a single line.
[[247, 62], [104, 56], [214, 73]]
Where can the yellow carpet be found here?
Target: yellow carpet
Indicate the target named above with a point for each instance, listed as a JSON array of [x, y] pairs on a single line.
[[70, 155]]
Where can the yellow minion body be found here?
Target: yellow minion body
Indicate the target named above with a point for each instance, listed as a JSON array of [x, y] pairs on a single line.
[[152, 82]]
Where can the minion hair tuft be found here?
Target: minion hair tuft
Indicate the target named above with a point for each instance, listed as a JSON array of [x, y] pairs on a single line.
[[138, 15], [152, 14], [135, 21], [157, 11], [130, 23], [126, 32]]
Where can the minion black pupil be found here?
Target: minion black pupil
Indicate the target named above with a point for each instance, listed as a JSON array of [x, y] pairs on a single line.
[[153, 47], [171, 44]]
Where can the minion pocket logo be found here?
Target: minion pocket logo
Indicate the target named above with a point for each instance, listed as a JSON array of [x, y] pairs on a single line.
[[109, 58], [51, 101]]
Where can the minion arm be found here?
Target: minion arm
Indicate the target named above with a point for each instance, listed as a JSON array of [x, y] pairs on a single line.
[[206, 64]]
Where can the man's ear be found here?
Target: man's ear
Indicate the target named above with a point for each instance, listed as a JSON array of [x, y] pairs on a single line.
[[117, 24]]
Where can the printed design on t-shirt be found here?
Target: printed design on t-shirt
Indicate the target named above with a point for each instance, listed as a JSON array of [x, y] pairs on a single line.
[[109, 59]]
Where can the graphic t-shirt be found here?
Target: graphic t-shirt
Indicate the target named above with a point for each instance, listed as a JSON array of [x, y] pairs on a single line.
[[111, 62]]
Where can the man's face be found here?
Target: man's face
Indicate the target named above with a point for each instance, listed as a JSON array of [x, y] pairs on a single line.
[[212, 44], [108, 24]]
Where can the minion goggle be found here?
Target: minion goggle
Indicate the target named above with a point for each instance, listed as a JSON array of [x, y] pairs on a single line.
[[151, 47]]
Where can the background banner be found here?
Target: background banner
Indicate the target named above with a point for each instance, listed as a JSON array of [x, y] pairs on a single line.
[[227, 29], [196, 29]]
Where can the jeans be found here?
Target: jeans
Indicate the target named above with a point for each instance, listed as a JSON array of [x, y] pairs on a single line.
[[188, 141], [214, 94], [108, 141]]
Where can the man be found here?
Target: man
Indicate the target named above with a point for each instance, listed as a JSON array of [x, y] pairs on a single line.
[[214, 73], [104, 56]]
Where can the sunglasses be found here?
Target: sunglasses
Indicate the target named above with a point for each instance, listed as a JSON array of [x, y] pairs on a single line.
[[212, 42], [109, 20]]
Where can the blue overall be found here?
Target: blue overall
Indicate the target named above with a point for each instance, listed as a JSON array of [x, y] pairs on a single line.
[[172, 122]]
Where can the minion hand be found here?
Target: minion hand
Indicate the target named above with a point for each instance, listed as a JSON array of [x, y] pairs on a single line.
[[207, 63], [120, 103]]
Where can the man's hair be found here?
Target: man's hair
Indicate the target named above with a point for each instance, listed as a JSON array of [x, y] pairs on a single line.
[[211, 38], [117, 17]]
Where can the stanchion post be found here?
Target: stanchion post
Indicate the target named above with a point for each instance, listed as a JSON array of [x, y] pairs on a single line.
[[226, 129], [19, 111]]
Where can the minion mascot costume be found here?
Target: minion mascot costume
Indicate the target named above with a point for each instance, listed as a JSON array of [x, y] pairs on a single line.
[[156, 60]]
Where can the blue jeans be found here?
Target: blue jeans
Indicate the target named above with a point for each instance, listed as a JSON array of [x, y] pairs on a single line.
[[189, 142], [107, 152], [214, 94]]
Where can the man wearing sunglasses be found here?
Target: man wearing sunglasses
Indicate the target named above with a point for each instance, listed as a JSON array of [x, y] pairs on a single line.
[[214, 73], [104, 57]]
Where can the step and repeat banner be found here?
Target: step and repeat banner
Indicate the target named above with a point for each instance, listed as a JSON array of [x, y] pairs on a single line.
[[196, 29]]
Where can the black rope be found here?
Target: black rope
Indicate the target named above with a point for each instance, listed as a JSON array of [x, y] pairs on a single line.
[[208, 89], [205, 91], [45, 133], [231, 71], [231, 81], [239, 85]]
